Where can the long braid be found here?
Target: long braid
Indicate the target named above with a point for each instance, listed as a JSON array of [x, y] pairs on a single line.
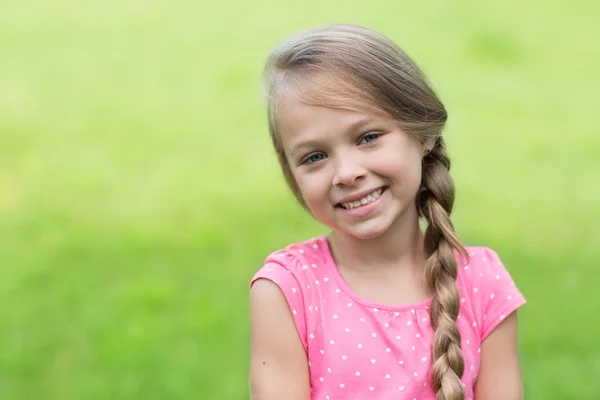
[[435, 203]]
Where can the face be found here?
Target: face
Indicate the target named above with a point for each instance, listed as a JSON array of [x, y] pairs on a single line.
[[358, 173]]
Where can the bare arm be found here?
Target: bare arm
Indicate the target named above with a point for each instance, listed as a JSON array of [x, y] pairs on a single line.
[[278, 363], [500, 375]]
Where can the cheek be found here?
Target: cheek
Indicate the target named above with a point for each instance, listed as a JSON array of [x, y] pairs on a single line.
[[414, 171], [314, 190], [403, 168]]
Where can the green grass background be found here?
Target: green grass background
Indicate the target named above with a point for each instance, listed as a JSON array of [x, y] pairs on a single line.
[[139, 191]]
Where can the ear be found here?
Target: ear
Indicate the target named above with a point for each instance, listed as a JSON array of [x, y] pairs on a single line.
[[427, 146]]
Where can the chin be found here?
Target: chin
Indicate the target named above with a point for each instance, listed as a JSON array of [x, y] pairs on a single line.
[[366, 235], [364, 232]]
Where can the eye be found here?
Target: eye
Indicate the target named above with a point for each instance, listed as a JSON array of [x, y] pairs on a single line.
[[313, 158], [369, 137]]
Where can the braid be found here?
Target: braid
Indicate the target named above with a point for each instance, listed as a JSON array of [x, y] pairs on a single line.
[[435, 202]]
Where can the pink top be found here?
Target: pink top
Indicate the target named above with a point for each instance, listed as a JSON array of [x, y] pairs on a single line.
[[359, 349]]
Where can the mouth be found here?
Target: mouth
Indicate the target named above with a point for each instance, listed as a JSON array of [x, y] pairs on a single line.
[[369, 198]]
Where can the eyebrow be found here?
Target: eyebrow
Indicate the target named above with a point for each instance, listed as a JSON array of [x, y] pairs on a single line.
[[315, 142]]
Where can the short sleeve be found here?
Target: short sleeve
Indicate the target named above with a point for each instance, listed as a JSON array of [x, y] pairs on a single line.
[[494, 293], [290, 287]]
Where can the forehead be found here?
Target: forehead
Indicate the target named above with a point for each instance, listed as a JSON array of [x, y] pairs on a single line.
[[299, 122], [296, 117]]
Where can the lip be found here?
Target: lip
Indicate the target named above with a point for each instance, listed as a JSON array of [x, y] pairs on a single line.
[[363, 211], [358, 196]]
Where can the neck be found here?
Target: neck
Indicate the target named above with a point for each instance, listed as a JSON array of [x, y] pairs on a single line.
[[399, 248]]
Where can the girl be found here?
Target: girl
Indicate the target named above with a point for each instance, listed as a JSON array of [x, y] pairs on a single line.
[[377, 309]]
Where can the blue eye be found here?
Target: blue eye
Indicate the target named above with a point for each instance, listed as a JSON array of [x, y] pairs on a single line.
[[369, 137], [313, 158]]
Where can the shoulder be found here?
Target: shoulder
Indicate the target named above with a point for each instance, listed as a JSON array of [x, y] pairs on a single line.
[[483, 267], [287, 276], [299, 260], [488, 287]]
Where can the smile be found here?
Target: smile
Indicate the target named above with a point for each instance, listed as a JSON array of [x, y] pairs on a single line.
[[369, 198]]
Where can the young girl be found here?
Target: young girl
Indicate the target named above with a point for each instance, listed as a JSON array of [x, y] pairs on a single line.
[[377, 309]]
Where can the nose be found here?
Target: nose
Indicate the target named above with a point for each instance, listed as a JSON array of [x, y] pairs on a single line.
[[347, 171]]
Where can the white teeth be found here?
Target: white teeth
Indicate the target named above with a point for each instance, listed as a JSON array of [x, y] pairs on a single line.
[[371, 197]]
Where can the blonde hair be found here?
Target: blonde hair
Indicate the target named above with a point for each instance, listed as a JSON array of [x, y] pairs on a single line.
[[352, 67]]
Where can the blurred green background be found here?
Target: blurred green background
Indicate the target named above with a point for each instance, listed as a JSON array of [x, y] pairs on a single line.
[[139, 192]]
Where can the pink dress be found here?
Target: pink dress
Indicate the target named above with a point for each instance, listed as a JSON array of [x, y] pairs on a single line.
[[360, 349]]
